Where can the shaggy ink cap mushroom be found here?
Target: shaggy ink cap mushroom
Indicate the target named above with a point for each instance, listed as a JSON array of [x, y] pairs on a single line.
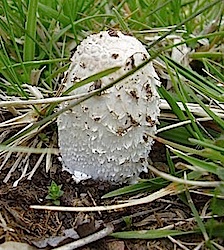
[[106, 136]]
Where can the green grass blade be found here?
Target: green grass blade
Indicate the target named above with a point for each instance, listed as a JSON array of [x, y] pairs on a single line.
[[53, 14], [30, 35], [179, 25], [210, 55], [199, 81], [183, 92], [215, 228], [214, 70], [92, 78], [176, 109], [149, 234], [210, 154], [121, 22], [69, 26], [143, 185], [10, 74], [35, 63], [170, 163], [210, 167], [207, 144], [181, 134], [15, 80], [215, 117], [196, 215]]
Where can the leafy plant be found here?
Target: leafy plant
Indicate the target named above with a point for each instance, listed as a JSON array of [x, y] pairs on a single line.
[[54, 193]]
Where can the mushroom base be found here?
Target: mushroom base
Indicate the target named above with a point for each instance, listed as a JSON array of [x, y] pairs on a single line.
[[94, 151]]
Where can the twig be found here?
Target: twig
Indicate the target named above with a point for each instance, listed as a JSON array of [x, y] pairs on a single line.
[[91, 238]]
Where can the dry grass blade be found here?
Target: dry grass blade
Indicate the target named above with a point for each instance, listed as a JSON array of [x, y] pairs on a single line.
[[6, 158], [184, 181], [196, 109], [169, 190], [217, 245], [23, 103], [29, 150], [3, 224], [30, 175], [179, 124], [178, 243], [20, 120], [14, 167]]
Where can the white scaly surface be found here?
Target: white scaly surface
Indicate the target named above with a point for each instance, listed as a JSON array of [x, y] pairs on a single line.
[[105, 137]]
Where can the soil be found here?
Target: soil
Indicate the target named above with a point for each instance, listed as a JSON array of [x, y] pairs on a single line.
[[42, 228]]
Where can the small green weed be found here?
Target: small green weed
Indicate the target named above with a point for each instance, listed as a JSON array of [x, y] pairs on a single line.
[[54, 193]]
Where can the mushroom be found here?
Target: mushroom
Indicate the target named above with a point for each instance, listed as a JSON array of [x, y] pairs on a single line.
[[107, 136]]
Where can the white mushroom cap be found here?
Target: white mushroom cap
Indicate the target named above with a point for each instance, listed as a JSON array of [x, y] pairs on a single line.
[[106, 136]]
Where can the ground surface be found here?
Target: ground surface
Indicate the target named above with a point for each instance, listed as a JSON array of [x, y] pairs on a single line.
[[43, 228]]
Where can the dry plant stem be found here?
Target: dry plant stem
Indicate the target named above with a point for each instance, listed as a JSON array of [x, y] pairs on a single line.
[[22, 103], [4, 225], [3, 135], [91, 238], [14, 167], [31, 150], [93, 201], [26, 163], [137, 214], [194, 108], [182, 222], [178, 243], [184, 181], [202, 192], [6, 158], [205, 209], [18, 120], [35, 167], [48, 162], [179, 124], [218, 246], [199, 246], [170, 190]]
